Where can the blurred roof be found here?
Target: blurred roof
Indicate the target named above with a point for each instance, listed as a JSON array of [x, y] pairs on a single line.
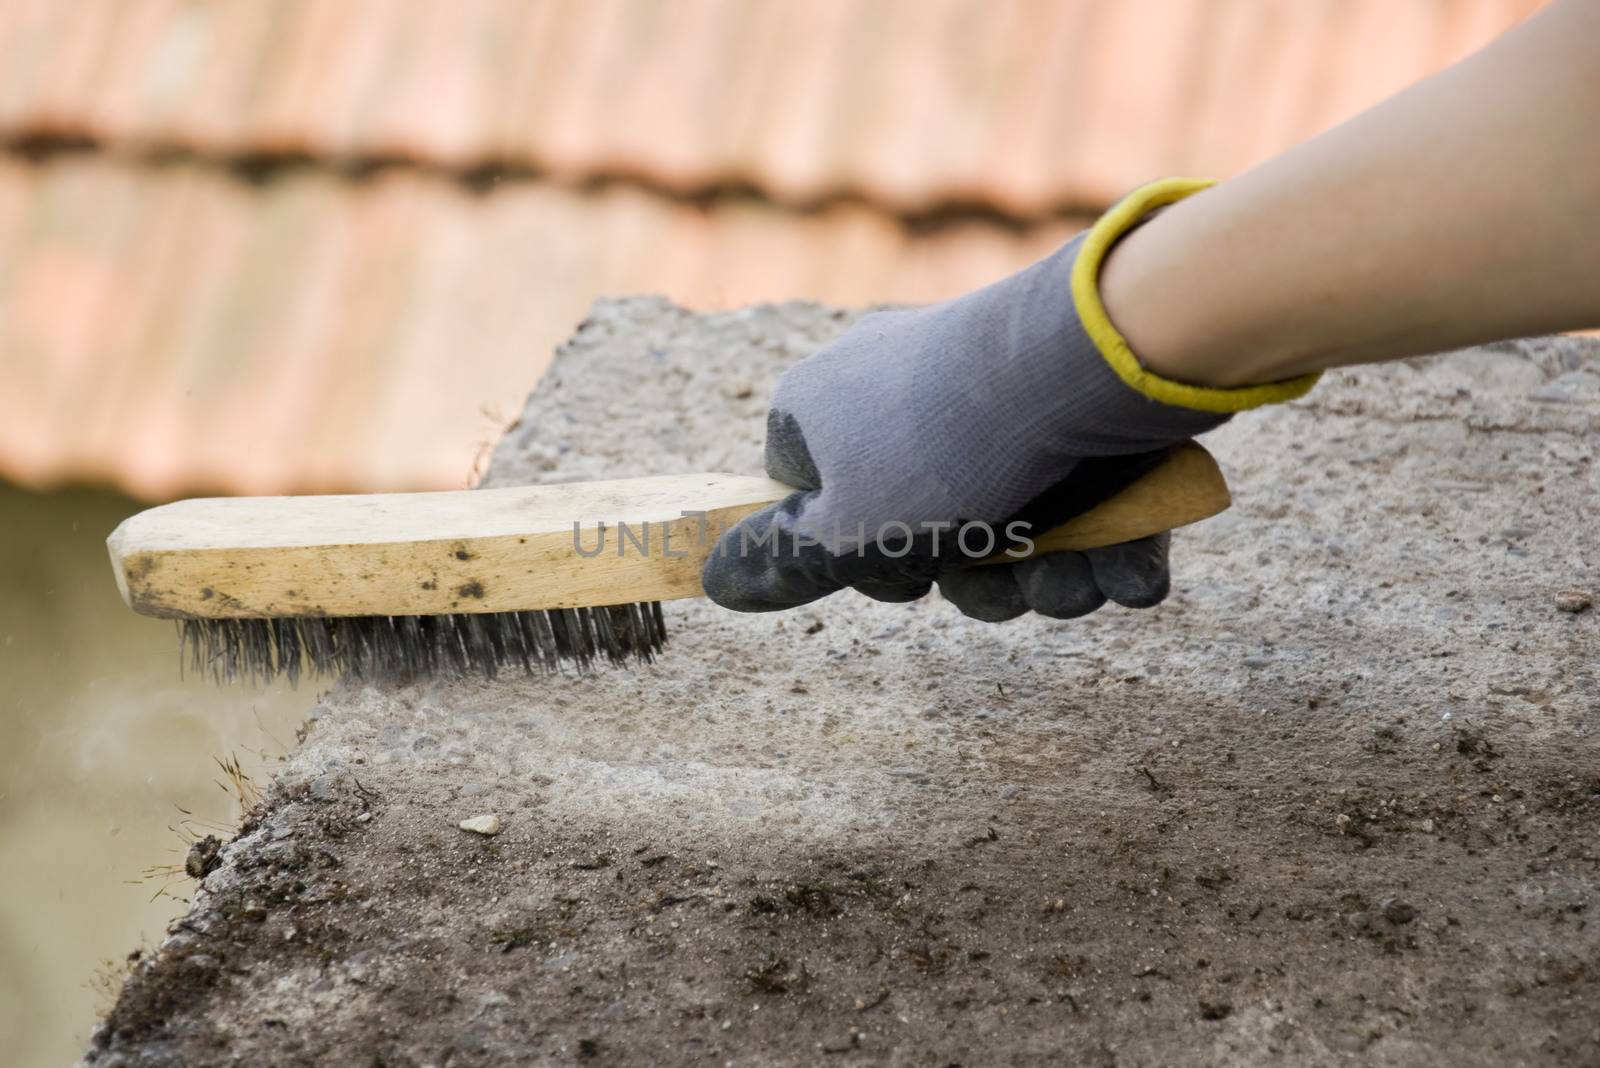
[[173, 328], [329, 244], [1021, 105]]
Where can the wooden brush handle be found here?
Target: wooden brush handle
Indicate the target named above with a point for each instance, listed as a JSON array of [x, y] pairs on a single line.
[[1185, 487], [514, 549]]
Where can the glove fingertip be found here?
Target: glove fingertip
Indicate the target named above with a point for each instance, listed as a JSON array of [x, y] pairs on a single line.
[[1141, 593], [893, 593], [1134, 574], [748, 569], [988, 593], [1059, 585]]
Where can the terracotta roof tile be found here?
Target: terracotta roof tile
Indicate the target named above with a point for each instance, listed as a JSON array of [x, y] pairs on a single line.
[[1024, 105], [173, 328]]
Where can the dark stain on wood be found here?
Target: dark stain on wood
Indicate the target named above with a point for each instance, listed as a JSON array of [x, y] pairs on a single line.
[[139, 567]]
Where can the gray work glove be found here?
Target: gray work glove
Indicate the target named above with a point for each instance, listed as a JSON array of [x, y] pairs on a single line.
[[921, 438]]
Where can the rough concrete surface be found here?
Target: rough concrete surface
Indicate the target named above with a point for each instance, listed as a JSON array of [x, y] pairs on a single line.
[[1335, 802]]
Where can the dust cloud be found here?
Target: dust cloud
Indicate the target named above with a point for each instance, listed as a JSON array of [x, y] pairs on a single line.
[[103, 749]]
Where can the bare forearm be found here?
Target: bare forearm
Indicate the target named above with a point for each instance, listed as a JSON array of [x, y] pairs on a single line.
[[1464, 210]]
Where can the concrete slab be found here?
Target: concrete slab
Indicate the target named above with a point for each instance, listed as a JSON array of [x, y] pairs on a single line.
[[1337, 799]]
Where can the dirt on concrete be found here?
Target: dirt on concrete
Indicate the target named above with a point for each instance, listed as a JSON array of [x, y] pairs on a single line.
[[1335, 802]]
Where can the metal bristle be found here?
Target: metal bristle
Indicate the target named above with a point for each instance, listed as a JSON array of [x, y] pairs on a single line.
[[406, 648]]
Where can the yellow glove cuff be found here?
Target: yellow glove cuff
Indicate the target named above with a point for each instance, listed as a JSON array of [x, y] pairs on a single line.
[[1114, 347]]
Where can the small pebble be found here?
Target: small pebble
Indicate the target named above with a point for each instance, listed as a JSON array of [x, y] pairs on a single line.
[[488, 825], [365, 817], [1573, 601], [1568, 388], [327, 786], [1397, 911]]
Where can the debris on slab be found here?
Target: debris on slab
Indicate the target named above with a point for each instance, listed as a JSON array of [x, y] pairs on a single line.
[[1574, 601], [487, 825], [203, 858], [1397, 910]]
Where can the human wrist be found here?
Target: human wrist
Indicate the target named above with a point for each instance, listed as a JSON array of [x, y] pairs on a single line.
[[1159, 331]]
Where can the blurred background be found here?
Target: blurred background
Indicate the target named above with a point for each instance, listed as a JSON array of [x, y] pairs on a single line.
[[306, 246]]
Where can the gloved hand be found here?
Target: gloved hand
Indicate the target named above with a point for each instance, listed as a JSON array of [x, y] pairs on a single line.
[[921, 437]]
